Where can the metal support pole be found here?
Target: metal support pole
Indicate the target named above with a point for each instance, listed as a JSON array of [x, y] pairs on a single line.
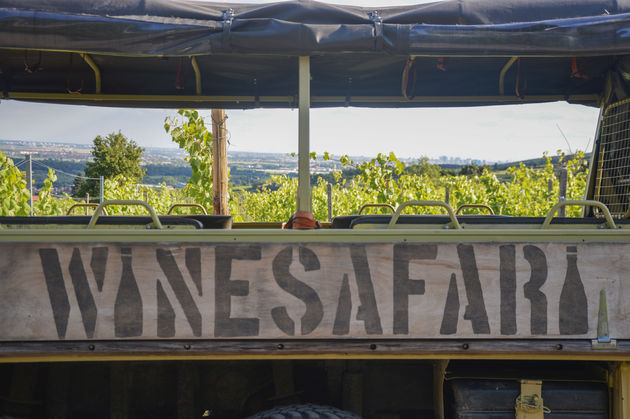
[[562, 191], [29, 180], [101, 186], [621, 391], [304, 176], [329, 191], [591, 192]]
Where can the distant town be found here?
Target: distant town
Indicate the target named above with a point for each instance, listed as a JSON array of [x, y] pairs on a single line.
[[168, 165]]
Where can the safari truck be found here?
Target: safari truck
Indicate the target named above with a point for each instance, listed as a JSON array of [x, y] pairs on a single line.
[[375, 316]]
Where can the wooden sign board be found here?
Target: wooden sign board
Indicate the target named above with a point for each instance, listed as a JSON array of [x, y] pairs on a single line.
[[311, 291]]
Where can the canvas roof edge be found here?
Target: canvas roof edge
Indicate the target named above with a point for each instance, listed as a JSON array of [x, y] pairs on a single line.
[[301, 29]]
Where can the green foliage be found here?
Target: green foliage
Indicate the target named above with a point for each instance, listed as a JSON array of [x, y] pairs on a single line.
[[385, 179], [47, 204], [160, 198], [191, 134], [113, 155], [529, 191], [13, 192]]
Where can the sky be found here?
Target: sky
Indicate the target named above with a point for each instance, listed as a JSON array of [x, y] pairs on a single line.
[[494, 133]]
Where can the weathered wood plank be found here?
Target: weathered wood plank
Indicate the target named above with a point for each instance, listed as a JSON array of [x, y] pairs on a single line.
[[311, 291], [335, 348]]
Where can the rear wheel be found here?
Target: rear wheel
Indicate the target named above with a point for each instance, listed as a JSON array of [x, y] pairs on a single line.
[[304, 411]]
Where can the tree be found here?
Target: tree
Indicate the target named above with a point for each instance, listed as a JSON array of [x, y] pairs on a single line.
[[114, 155], [473, 169], [424, 168]]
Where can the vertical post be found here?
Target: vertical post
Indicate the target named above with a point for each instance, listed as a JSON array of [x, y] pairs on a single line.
[[29, 180], [621, 391], [439, 372], [447, 195], [304, 175], [58, 384], [101, 187], [119, 391], [330, 214], [593, 164], [219, 163], [22, 385], [283, 381], [352, 398], [186, 382], [562, 191]]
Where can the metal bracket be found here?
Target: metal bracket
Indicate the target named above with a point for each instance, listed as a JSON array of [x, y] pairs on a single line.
[[504, 70], [603, 340], [228, 18], [377, 20], [348, 91], [256, 94], [195, 66], [529, 404], [95, 69]]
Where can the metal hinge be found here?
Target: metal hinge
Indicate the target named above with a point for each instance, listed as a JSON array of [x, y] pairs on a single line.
[[603, 340]]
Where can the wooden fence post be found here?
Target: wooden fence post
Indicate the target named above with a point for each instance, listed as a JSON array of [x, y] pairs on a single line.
[[219, 163]]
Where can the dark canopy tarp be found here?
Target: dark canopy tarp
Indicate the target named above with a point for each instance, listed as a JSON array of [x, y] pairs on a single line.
[[567, 49], [167, 27]]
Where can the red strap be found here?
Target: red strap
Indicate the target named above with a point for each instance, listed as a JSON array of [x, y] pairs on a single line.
[[302, 220], [32, 68], [578, 71], [68, 73], [178, 78], [441, 63]]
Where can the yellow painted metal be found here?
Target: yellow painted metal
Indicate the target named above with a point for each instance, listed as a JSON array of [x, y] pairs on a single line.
[[290, 100], [484, 206], [529, 404], [84, 206], [304, 197], [195, 66], [427, 55], [571, 234], [439, 376], [457, 99], [97, 72], [276, 225], [610, 223], [201, 207], [454, 223], [621, 392], [143, 98], [376, 206], [504, 70], [616, 105], [129, 202], [592, 174]]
